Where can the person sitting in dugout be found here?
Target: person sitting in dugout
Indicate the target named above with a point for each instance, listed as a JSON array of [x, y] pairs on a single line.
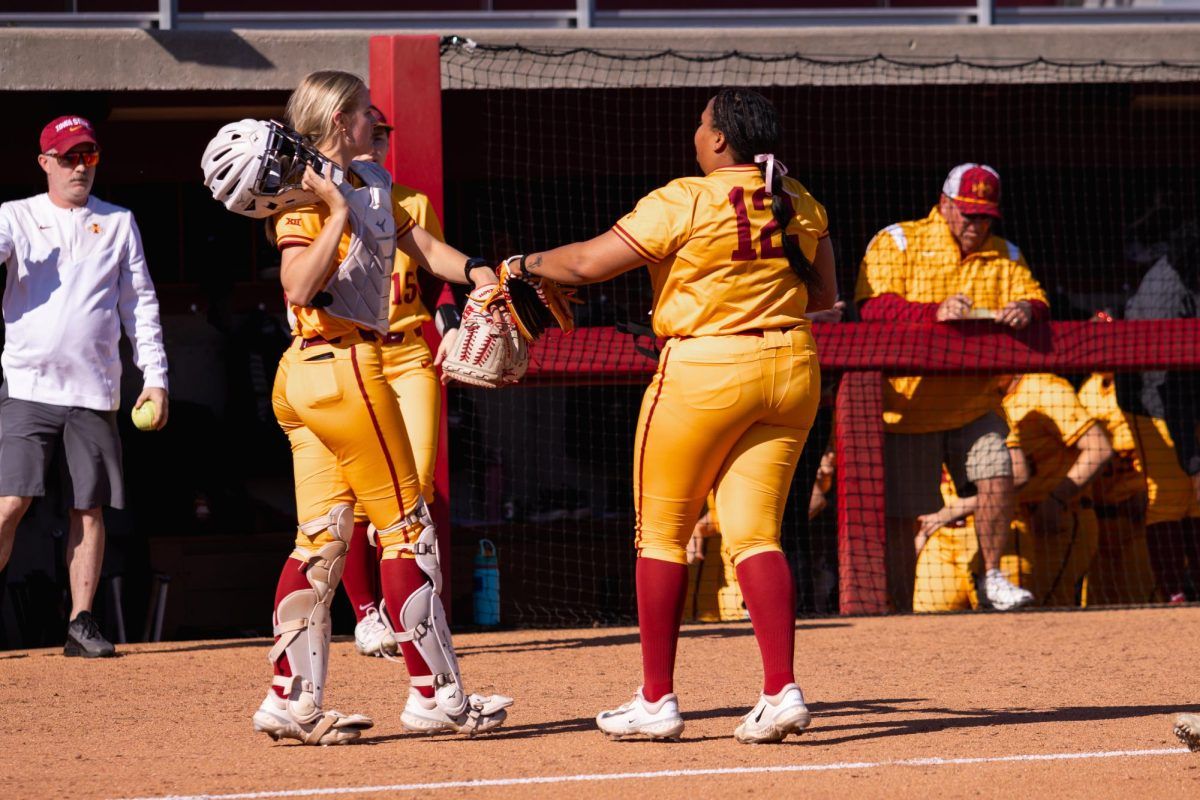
[[1057, 448]]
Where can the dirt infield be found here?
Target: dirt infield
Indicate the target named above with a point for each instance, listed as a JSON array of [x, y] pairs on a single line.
[[987, 705]]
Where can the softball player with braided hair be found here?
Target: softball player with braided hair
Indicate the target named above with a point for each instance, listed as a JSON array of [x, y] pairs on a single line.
[[736, 258], [347, 436]]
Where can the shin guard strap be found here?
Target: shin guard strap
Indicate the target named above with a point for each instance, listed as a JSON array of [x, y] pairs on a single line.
[[287, 633]]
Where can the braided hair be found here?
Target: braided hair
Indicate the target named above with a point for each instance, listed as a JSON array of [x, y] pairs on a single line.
[[751, 126]]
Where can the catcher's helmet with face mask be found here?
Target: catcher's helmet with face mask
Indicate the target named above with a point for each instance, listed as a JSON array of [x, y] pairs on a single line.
[[254, 168]]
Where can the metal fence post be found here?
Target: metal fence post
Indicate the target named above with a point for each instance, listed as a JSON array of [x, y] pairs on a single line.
[[583, 13], [985, 12], [168, 14]]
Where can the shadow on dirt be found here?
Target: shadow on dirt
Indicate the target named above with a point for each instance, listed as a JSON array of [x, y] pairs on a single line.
[[618, 639]]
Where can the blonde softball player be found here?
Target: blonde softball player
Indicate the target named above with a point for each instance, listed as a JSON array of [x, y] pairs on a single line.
[[735, 258], [408, 367], [348, 439]]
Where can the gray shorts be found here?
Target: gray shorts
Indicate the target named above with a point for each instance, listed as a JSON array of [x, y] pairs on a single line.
[[913, 463], [31, 433]]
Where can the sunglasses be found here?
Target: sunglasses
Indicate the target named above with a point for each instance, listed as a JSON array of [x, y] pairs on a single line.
[[89, 158]]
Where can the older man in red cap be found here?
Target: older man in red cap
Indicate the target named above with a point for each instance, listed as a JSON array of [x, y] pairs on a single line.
[[76, 276], [949, 266]]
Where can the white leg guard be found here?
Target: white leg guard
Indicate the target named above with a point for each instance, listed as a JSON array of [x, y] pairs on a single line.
[[423, 619], [303, 627]]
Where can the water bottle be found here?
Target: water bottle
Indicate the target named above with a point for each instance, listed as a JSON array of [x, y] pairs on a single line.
[[487, 584]]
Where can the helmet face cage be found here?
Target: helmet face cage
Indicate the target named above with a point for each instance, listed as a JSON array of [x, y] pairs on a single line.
[[255, 168], [284, 159]]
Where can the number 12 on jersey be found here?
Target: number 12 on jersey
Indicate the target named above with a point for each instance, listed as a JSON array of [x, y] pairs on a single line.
[[745, 250]]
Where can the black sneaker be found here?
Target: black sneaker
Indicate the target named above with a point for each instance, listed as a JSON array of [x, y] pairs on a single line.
[[84, 639]]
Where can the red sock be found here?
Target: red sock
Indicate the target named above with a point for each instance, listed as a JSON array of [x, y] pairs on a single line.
[[291, 579], [358, 575], [400, 578], [770, 595], [661, 587]]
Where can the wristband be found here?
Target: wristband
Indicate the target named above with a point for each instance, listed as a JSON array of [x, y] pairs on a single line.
[[473, 263], [520, 259], [446, 317]]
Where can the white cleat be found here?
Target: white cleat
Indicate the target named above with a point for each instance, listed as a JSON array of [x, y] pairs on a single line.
[[373, 637], [999, 593], [325, 728], [483, 714], [774, 717], [660, 720], [1187, 728]]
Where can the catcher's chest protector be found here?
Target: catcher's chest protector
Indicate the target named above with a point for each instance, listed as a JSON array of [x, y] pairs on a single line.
[[360, 285]]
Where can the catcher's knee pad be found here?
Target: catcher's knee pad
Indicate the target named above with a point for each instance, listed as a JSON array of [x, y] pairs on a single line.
[[302, 617], [418, 527]]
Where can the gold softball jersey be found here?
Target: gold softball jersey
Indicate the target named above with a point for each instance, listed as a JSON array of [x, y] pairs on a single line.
[[1045, 420], [340, 415], [1151, 451], [407, 359], [1121, 478], [737, 384], [406, 310], [298, 228], [715, 256], [921, 262]]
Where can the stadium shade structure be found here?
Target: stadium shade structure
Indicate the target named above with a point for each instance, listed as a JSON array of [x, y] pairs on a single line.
[[586, 14]]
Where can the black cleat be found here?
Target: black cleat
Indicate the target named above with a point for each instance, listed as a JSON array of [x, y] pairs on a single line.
[[84, 639]]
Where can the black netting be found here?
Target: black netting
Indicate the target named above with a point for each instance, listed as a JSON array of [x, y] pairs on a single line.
[[1099, 168]]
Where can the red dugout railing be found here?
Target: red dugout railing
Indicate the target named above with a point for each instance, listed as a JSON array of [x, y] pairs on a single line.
[[865, 352]]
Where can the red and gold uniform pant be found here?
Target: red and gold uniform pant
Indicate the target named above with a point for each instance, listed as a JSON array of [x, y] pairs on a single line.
[[723, 413], [348, 440], [408, 369]]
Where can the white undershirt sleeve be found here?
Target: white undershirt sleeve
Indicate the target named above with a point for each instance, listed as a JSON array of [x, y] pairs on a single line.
[[138, 306]]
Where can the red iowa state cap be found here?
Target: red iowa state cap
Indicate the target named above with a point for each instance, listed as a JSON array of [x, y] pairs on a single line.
[[61, 134], [974, 188]]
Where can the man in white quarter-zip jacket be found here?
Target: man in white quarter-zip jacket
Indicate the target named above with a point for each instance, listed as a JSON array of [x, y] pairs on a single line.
[[75, 276]]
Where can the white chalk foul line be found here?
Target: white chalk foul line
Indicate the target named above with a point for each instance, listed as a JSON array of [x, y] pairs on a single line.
[[669, 773]]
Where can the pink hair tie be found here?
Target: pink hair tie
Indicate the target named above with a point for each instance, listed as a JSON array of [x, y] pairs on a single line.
[[772, 165]]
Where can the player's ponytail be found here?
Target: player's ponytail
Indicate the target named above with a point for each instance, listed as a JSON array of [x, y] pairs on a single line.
[[321, 94], [751, 126]]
